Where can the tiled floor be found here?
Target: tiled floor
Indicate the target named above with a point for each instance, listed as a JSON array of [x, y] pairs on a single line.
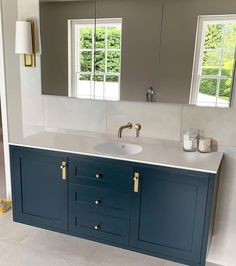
[[23, 245]]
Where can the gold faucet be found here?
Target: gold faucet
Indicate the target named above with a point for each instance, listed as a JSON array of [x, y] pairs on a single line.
[[129, 126], [138, 128]]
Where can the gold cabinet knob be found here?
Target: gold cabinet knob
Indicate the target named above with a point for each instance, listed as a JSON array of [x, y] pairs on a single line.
[[98, 175], [97, 227]]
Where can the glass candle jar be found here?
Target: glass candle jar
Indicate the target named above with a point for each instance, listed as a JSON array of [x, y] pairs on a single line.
[[190, 139], [204, 145]]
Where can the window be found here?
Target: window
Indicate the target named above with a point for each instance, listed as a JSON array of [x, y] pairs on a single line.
[[214, 62], [95, 59]]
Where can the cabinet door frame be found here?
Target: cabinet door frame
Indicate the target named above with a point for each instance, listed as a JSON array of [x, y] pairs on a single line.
[[197, 178], [17, 193]]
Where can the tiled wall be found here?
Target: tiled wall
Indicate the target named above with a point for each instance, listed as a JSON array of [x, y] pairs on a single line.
[[158, 120]]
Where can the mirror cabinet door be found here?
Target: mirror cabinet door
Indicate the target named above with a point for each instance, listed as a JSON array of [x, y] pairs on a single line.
[[202, 31], [67, 29], [132, 64]]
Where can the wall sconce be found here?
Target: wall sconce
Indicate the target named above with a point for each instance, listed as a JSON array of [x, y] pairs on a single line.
[[25, 42]]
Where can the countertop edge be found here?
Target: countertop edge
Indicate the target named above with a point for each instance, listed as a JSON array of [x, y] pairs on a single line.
[[119, 158]]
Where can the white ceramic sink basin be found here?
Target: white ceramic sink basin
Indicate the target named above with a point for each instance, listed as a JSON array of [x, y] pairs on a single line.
[[118, 148]]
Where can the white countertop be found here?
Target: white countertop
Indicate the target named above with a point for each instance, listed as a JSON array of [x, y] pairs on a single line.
[[155, 152]]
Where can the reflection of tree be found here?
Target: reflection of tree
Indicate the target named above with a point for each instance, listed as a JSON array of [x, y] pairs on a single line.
[[113, 57], [213, 59]]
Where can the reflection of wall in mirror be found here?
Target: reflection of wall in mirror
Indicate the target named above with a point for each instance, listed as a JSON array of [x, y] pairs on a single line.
[[53, 26]]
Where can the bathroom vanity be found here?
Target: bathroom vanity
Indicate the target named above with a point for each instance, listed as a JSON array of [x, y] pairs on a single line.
[[159, 202]]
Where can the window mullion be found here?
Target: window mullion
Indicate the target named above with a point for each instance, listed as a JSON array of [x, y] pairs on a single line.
[[106, 47], [93, 67], [221, 64]]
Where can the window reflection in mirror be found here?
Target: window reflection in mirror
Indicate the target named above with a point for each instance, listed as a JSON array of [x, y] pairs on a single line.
[[214, 61], [95, 59]]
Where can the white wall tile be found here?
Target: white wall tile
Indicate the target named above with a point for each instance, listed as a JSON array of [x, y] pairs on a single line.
[[74, 114], [158, 120], [217, 123]]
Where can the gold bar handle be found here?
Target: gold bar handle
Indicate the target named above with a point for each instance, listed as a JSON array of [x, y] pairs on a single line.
[[136, 182], [63, 170]]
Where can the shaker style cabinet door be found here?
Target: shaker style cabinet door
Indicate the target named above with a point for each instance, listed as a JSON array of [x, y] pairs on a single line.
[[40, 187], [168, 213]]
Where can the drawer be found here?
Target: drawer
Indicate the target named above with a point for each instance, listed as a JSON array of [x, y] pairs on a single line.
[[103, 201], [100, 226], [101, 173]]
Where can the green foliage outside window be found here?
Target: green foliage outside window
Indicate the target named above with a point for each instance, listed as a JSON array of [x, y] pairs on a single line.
[[86, 37], [113, 57], [212, 59]]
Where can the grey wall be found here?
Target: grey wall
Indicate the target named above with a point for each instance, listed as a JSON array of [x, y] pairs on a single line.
[[12, 68], [54, 35], [178, 42]]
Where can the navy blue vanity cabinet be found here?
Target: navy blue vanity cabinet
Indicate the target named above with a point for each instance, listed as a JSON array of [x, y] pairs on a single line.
[[160, 211], [170, 214], [40, 195]]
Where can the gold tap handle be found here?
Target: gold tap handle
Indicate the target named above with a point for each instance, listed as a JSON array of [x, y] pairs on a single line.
[[63, 170], [138, 127], [136, 182]]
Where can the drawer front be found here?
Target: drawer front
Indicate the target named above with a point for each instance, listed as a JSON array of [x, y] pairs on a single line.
[[103, 227], [101, 174], [102, 201]]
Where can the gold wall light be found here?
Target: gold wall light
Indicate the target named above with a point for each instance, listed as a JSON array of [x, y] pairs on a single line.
[[25, 42]]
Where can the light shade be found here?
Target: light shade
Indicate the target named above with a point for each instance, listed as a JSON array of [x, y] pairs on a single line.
[[23, 41]]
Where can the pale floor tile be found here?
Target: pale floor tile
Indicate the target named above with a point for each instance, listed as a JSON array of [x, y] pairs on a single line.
[[222, 251], [23, 245]]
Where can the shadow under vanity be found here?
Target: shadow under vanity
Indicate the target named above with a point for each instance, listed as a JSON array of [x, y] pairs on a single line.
[[160, 202]]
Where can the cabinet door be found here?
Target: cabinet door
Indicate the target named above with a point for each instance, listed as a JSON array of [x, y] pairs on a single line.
[[168, 213], [39, 192]]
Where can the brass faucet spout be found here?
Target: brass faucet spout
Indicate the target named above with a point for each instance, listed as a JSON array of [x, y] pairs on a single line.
[[129, 126]]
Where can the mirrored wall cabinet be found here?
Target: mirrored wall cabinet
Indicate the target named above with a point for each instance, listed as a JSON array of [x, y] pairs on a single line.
[[134, 50]]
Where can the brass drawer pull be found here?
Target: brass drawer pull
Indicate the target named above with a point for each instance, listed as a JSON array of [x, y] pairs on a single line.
[[63, 170], [97, 227], [98, 175], [136, 182]]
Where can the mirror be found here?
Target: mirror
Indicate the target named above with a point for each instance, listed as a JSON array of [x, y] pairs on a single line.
[[56, 18], [134, 50]]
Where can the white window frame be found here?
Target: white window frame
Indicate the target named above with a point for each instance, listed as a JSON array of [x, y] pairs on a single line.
[[72, 53], [198, 58]]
